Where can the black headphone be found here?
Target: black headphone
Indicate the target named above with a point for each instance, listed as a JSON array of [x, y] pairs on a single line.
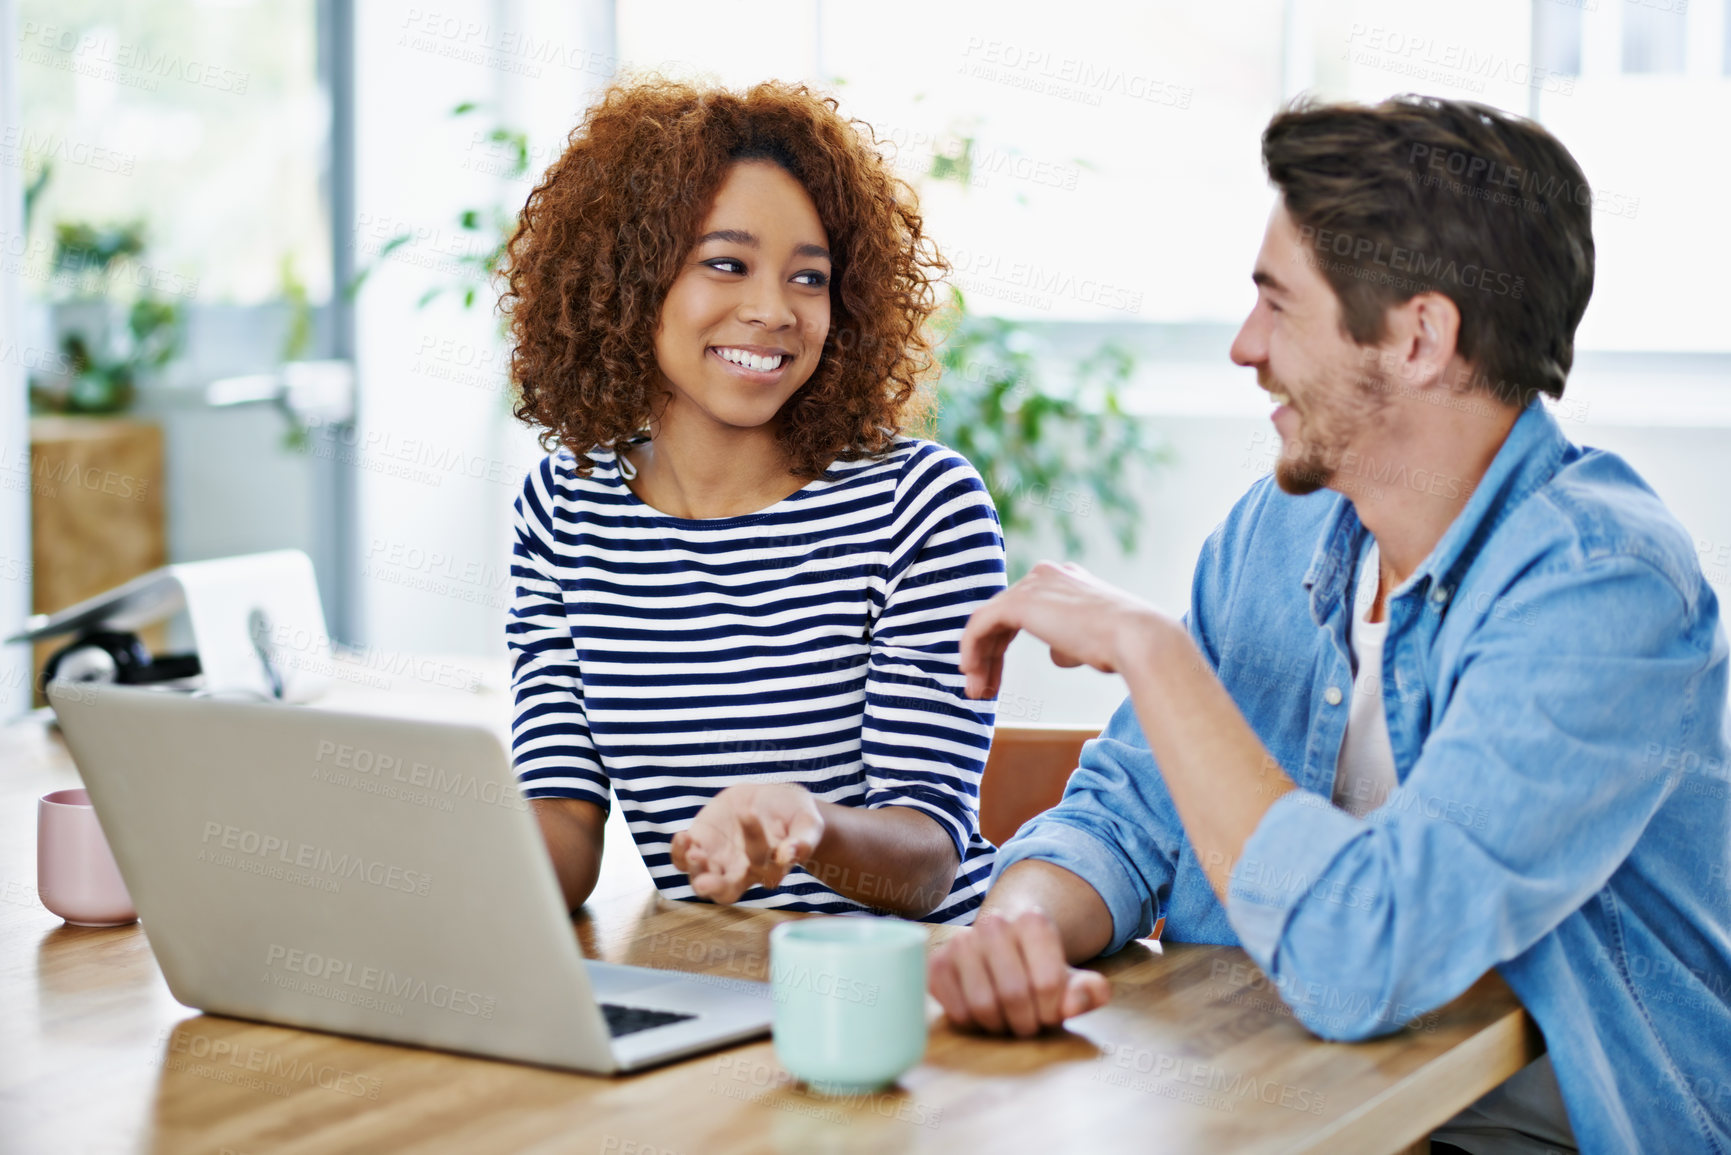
[[115, 656]]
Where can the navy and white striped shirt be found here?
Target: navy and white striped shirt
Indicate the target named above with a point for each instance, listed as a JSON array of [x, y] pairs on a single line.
[[813, 642]]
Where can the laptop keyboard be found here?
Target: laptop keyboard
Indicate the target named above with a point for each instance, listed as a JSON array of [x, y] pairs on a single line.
[[629, 1020]]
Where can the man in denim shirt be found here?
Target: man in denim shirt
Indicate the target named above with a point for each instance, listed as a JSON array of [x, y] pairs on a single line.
[[1451, 690]]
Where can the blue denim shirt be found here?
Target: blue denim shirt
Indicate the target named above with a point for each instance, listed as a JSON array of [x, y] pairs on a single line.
[[1554, 678]]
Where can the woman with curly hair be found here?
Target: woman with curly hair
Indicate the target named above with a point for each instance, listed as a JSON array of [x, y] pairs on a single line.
[[739, 585]]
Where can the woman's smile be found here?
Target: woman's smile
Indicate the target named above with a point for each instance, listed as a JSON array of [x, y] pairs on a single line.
[[753, 362]]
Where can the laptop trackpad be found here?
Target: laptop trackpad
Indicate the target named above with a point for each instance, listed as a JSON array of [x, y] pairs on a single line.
[[613, 982], [670, 989], [610, 980]]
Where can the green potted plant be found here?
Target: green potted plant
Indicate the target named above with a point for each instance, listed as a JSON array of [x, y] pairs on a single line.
[[492, 226], [111, 338], [1053, 452], [1053, 449]]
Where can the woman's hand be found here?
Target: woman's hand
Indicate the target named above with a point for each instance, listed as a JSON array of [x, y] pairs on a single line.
[[747, 836]]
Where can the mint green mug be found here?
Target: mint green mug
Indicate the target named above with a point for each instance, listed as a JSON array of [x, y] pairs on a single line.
[[850, 1000]]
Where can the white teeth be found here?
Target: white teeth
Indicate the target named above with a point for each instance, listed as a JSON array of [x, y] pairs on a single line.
[[749, 360], [1280, 398]]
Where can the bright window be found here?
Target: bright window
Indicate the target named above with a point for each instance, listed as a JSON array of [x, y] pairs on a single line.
[[204, 121], [1100, 162]]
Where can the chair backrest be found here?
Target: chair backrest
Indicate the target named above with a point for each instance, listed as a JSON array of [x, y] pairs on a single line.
[[1025, 774]]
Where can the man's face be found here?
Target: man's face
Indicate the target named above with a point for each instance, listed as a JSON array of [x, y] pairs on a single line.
[[1330, 395]]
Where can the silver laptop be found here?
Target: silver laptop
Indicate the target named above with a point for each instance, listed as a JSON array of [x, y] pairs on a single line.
[[367, 875]]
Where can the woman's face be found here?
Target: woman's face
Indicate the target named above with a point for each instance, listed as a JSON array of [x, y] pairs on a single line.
[[744, 324]]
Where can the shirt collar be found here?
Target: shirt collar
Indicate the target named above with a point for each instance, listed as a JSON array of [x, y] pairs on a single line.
[[1527, 460]]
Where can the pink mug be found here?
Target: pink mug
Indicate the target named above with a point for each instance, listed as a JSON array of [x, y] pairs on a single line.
[[76, 877]]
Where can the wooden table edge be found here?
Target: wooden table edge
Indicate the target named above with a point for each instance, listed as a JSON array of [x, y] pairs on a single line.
[[1496, 1052]]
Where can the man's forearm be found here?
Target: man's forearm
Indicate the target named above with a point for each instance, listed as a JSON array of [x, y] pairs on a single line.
[[1084, 921], [892, 858], [1221, 777], [572, 830]]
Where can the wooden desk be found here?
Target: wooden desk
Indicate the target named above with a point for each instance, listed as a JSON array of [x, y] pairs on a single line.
[[1195, 1053]]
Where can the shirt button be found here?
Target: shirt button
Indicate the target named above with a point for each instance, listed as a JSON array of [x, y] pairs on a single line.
[[1332, 695], [1440, 595]]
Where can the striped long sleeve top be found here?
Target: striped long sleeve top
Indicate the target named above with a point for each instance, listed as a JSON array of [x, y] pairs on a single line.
[[659, 659]]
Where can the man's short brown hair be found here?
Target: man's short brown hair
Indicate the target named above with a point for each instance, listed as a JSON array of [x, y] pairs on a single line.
[[1418, 194]]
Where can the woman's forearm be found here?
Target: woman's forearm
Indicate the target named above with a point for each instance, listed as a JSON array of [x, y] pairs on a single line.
[[893, 858], [573, 832]]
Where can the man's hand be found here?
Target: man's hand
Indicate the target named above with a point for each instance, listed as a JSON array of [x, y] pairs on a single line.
[[1009, 974], [748, 836], [1084, 621]]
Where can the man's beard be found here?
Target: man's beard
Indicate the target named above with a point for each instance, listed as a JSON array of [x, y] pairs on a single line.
[[1308, 465], [1310, 462]]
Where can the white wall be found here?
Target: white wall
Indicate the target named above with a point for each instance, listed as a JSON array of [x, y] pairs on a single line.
[[14, 421]]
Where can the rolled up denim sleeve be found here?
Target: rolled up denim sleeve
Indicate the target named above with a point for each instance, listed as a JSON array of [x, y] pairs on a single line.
[[1529, 793], [1115, 828]]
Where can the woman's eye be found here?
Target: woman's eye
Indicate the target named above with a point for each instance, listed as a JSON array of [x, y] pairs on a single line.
[[813, 278], [726, 265]]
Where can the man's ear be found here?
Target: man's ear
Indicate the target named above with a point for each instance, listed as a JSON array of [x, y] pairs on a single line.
[[1422, 333]]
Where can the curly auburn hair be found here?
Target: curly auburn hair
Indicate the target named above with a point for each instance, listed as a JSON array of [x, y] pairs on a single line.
[[604, 235]]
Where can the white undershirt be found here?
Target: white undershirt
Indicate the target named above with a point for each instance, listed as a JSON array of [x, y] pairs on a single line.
[[1364, 773], [1524, 1115]]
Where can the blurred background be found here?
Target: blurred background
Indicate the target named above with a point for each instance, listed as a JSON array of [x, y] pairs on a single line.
[[245, 244]]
